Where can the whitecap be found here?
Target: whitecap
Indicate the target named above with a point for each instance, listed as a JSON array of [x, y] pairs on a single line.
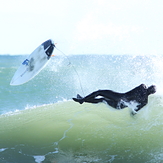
[[39, 159]]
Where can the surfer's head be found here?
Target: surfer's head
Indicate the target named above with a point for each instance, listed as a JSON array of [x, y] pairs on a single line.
[[151, 89]]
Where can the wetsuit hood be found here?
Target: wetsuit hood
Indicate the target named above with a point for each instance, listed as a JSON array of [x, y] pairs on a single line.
[[151, 89]]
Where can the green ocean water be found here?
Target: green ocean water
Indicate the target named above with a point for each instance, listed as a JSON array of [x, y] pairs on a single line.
[[40, 123]]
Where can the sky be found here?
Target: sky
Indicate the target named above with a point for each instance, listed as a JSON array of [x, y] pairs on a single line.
[[82, 26]]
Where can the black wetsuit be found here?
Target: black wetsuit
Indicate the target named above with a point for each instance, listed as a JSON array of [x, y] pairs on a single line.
[[118, 100]]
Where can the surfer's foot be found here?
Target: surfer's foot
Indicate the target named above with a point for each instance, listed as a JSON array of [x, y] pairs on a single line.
[[79, 99]]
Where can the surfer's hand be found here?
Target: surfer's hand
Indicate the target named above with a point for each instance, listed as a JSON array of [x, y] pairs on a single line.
[[133, 112]]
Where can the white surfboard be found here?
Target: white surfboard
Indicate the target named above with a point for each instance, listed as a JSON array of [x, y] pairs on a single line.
[[35, 62]]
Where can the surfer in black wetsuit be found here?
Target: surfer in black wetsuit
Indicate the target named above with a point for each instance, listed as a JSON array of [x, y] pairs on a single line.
[[138, 95]]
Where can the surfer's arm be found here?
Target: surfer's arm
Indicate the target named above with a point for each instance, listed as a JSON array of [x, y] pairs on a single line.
[[135, 111], [139, 107]]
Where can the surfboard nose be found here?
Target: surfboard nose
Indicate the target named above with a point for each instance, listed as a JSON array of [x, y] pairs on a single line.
[[48, 47], [47, 43]]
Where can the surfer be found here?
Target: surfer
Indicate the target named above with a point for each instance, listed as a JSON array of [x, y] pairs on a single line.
[[138, 96]]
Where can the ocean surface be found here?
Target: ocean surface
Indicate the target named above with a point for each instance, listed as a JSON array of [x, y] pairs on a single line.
[[39, 122]]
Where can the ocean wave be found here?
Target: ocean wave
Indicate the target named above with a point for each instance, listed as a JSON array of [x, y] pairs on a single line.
[[87, 130]]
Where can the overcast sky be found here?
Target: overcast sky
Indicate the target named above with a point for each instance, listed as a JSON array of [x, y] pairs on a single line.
[[82, 26]]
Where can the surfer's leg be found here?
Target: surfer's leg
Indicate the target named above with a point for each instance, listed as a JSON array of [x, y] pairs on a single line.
[[94, 100], [78, 99], [106, 94], [91, 99], [112, 103]]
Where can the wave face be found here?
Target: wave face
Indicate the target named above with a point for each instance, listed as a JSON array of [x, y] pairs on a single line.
[[69, 132], [40, 122]]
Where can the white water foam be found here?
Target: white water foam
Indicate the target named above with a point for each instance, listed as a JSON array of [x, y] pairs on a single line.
[[2, 149], [39, 159]]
